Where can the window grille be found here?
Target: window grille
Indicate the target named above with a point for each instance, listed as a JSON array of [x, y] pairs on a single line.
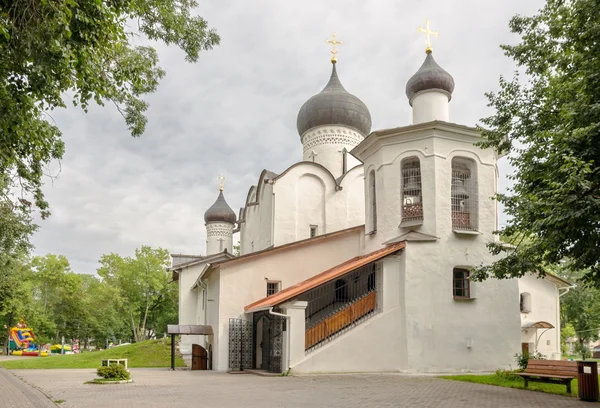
[[272, 288], [373, 202], [461, 287], [463, 197], [412, 197]]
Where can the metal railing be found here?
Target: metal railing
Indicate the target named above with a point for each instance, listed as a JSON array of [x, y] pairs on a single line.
[[340, 304], [343, 319]]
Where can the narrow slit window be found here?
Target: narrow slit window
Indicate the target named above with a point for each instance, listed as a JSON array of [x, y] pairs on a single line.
[[314, 231], [373, 202]]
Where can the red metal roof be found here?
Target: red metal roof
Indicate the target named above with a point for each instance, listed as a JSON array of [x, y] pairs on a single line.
[[324, 277]]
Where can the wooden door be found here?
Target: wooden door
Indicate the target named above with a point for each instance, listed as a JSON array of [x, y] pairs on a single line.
[[525, 348], [199, 357]]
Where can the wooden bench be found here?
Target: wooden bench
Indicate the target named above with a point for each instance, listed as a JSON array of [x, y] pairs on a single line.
[[550, 371]]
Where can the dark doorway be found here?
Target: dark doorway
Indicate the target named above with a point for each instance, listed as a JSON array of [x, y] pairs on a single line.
[[199, 357], [268, 341]]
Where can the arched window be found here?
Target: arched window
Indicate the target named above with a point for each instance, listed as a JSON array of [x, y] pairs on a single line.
[[412, 197], [372, 202], [464, 194], [525, 302]]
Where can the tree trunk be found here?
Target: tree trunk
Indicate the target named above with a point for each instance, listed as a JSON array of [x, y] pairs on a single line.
[[582, 347], [134, 330]]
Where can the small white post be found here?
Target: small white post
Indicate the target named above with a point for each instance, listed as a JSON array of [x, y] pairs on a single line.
[[296, 331]]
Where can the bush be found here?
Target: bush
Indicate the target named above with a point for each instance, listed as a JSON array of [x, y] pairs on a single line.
[[507, 375], [523, 358], [114, 372]]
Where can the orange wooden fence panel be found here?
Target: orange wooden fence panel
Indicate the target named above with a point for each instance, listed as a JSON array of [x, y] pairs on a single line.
[[341, 319]]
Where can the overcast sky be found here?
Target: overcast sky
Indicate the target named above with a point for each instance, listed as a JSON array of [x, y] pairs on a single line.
[[234, 112]]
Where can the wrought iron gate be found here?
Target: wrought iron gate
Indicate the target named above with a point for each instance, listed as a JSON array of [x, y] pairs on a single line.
[[272, 340], [240, 344]]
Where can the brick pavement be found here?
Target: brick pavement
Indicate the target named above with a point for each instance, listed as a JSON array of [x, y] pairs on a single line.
[[160, 388], [14, 393]]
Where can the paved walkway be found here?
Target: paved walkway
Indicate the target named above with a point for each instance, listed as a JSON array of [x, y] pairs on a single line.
[[163, 388], [15, 393]]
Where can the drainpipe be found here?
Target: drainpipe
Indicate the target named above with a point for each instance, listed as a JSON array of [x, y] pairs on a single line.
[[288, 330]]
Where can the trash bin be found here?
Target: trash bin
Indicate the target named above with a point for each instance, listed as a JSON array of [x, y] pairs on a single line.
[[587, 377]]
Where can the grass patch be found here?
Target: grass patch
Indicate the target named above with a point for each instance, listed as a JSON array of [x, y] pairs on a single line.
[[494, 379], [150, 353]]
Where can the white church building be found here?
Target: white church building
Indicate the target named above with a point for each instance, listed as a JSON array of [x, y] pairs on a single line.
[[357, 257]]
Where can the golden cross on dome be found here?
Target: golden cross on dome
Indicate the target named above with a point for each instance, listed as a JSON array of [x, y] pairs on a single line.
[[428, 32], [333, 43], [221, 179]]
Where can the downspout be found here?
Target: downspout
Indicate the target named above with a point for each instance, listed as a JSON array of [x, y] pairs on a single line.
[[204, 287], [289, 337]]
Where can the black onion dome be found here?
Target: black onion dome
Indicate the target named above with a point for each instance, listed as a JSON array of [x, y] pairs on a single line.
[[220, 211], [334, 106], [429, 76]]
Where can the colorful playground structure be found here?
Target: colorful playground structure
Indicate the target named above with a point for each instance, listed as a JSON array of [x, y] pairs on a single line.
[[22, 341]]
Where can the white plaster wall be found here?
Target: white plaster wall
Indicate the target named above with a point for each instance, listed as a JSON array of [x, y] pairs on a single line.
[[430, 105], [328, 142], [243, 282], [378, 344], [219, 237], [310, 202], [300, 188], [256, 232], [545, 306], [439, 327], [188, 304], [212, 315]]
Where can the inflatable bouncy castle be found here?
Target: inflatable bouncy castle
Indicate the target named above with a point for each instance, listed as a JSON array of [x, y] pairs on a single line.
[[21, 341]]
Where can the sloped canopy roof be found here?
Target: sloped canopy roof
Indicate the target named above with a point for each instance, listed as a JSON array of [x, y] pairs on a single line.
[[538, 325], [320, 279], [189, 329]]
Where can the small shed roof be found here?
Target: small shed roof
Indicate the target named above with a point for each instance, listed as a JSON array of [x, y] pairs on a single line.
[[195, 329], [538, 325]]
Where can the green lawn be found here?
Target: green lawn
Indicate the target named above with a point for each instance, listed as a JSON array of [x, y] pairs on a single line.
[[150, 353], [493, 379]]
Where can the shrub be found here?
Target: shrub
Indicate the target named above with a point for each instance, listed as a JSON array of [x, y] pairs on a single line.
[[507, 375], [114, 372], [523, 358]]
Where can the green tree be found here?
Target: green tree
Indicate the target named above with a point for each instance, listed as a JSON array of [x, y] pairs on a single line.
[[580, 308], [143, 284], [60, 50], [550, 126]]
